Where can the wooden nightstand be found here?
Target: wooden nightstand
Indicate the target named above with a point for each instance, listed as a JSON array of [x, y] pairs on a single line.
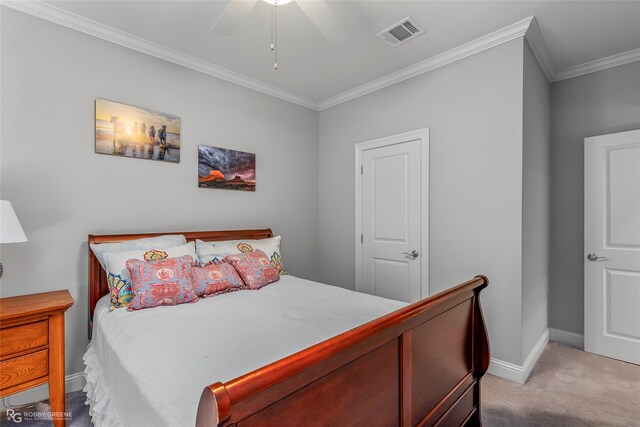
[[32, 345]]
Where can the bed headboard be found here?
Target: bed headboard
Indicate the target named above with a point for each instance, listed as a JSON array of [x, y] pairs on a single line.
[[98, 286]]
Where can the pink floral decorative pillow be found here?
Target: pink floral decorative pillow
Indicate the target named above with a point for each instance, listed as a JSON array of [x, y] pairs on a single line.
[[164, 282], [216, 278], [254, 268]]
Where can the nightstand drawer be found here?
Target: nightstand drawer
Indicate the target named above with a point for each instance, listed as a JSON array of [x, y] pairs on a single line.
[[24, 337], [24, 368]]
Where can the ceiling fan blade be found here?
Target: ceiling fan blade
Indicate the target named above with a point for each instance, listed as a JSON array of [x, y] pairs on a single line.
[[324, 19], [233, 16]]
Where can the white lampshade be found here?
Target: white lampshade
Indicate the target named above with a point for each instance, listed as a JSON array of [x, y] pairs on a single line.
[[10, 228]]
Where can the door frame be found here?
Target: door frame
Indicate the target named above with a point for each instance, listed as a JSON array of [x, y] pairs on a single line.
[[423, 136]]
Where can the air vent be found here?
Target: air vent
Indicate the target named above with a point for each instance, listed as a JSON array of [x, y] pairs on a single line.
[[402, 32]]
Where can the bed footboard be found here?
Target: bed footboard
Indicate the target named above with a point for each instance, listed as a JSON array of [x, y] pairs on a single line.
[[420, 365]]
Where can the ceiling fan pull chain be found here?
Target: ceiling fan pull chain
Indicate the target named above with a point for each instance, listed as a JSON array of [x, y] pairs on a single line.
[[275, 34], [272, 9]]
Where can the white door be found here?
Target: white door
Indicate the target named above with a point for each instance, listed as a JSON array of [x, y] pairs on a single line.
[[391, 208], [612, 245]]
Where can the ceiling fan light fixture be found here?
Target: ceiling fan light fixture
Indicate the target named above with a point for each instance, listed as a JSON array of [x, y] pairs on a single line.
[[279, 2]]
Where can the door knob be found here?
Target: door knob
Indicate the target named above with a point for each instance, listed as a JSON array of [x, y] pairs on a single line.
[[594, 257], [413, 254]]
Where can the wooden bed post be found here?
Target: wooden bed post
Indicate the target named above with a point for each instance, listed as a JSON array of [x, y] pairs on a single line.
[[481, 346], [481, 349]]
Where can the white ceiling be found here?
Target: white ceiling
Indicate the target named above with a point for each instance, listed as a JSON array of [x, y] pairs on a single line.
[[575, 32]]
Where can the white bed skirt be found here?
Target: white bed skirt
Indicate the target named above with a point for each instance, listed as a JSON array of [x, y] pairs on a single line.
[[102, 408]]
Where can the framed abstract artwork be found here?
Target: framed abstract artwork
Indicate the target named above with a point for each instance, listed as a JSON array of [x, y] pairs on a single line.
[[128, 131], [226, 169]]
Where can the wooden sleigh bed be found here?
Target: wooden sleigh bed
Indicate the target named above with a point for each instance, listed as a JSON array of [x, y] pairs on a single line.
[[419, 365]]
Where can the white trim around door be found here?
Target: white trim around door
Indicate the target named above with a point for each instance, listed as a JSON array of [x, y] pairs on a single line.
[[423, 136]]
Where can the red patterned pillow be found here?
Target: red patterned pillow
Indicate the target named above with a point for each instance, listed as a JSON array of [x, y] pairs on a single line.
[[216, 278], [254, 268], [164, 282]]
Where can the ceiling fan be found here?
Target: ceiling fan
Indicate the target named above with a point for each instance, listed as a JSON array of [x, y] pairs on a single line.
[[316, 10]]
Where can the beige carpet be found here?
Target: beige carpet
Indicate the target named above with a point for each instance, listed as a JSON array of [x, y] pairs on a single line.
[[567, 387]]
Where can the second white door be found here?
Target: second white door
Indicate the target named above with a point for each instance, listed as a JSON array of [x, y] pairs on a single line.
[[612, 245], [391, 221]]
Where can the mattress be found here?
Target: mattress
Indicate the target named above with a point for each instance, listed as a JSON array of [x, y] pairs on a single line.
[[149, 367]]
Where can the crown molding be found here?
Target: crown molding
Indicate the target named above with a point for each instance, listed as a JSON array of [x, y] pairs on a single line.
[[478, 45], [527, 28], [539, 48], [96, 29], [598, 65]]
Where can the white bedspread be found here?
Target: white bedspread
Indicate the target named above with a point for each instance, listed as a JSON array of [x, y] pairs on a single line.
[[149, 367]]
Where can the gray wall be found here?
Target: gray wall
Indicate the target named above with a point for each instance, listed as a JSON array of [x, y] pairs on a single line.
[[63, 191], [473, 108], [594, 104], [535, 202]]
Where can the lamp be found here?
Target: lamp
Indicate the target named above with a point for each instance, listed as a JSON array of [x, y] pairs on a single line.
[[10, 228]]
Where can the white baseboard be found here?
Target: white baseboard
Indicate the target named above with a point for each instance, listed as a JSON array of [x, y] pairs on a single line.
[[73, 382], [534, 354], [517, 373], [565, 337]]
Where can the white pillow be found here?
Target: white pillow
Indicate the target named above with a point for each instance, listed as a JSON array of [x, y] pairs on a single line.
[[216, 251], [118, 275], [160, 242]]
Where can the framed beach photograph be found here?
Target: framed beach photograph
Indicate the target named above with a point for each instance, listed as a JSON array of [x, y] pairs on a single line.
[[128, 131], [226, 169]]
